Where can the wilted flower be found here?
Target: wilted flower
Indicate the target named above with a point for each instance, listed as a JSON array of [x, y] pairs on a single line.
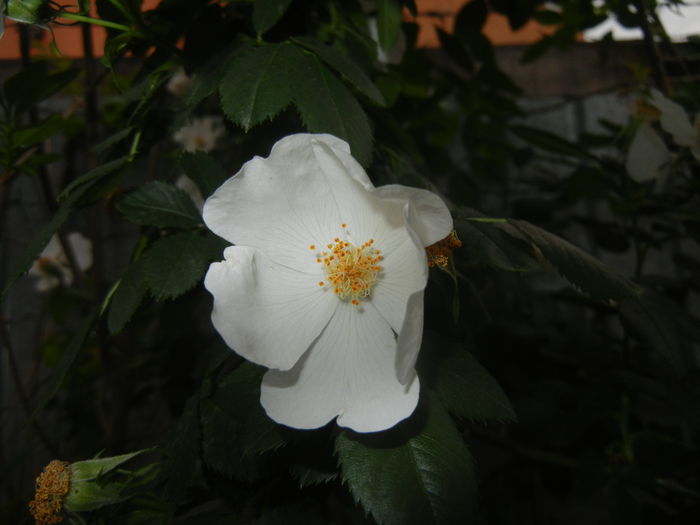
[[84, 486], [325, 283], [201, 134], [179, 83], [52, 266], [51, 488]]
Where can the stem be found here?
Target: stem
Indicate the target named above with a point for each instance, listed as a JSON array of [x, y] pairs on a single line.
[[24, 400], [655, 59], [94, 21]]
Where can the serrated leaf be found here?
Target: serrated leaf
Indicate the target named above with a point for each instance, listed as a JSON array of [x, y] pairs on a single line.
[[204, 170], [183, 457], [160, 204], [176, 263], [255, 86], [577, 266], [419, 472], [266, 13], [343, 65], [126, 298], [327, 106], [463, 386], [235, 428], [388, 22]]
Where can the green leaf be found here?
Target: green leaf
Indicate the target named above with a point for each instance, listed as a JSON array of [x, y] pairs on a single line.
[[577, 266], [388, 22], [126, 298], [67, 359], [94, 175], [33, 84], [160, 204], [204, 170], [343, 65], [92, 469], [176, 263], [182, 459], [327, 106], [235, 428], [255, 86], [38, 242], [465, 387], [39, 132], [113, 139], [266, 13], [550, 142], [495, 244], [654, 320], [30, 11], [419, 472]]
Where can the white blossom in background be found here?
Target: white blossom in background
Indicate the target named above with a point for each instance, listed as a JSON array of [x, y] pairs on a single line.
[[675, 121], [190, 188], [393, 55], [648, 154], [52, 267], [324, 284], [179, 83], [201, 134]]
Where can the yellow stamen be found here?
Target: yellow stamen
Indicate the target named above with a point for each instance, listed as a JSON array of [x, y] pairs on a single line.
[[352, 271]]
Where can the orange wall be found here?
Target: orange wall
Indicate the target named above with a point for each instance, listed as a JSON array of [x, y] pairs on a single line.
[[431, 14]]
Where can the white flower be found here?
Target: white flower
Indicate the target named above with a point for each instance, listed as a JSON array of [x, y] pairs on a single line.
[[190, 188], [201, 134], [179, 83], [52, 267], [389, 56], [674, 120], [325, 283]]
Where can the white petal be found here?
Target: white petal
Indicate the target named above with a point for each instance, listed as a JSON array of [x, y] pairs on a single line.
[[410, 338], [674, 119], [53, 249], [427, 216], [349, 372], [82, 249], [266, 312], [46, 283], [647, 155], [280, 205], [404, 272]]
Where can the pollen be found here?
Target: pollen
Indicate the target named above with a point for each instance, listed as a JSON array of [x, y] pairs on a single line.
[[312, 247], [51, 488], [439, 253], [352, 271]]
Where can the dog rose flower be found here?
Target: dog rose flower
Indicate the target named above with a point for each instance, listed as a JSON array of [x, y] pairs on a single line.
[[324, 284]]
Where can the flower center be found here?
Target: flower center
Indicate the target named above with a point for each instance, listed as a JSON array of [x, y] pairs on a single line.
[[351, 270]]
